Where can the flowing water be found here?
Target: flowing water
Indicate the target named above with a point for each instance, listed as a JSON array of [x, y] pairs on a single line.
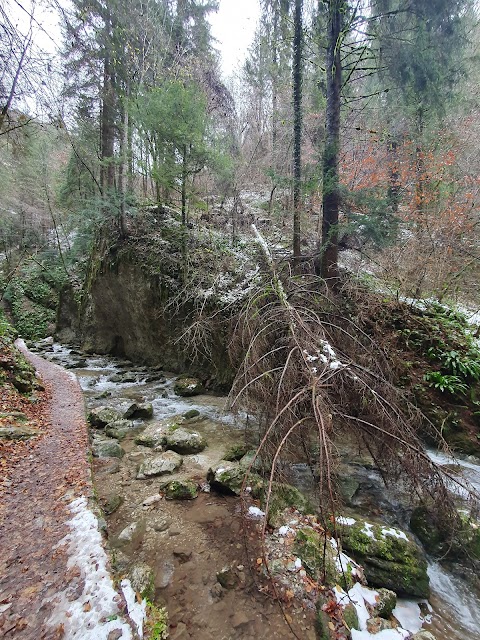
[[453, 608]]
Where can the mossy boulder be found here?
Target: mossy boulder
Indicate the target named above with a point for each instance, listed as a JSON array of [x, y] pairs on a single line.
[[101, 416], [235, 453], [142, 411], [386, 603], [442, 539], [180, 490], [229, 477], [190, 415], [160, 465], [155, 433], [142, 580], [187, 387], [389, 557], [106, 448], [282, 497], [184, 442], [322, 560], [119, 429]]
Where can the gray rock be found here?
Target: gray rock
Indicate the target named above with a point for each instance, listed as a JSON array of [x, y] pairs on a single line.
[[112, 503], [423, 635], [119, 429], [228, 578], [376, 625], [143, 580], [17, 433], [188, 387], [162, 464], [185, 442], [227, 477], [132, 535], [101, 416], [106, 448], [143, 411], [155, 433], [386, 603]]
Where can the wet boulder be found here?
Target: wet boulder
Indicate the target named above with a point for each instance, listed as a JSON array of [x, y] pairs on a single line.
[[155, 433], [106, 448], [180, 490], [101, 416], [187, 387], [119, 429], [389, 557], [229, 477], [281, 498], [160, 465], [184, 442]]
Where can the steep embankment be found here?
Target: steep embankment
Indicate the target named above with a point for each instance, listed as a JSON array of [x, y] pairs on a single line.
[[136, 303]]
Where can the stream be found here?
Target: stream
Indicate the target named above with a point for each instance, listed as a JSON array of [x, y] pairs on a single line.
[[171, 537]]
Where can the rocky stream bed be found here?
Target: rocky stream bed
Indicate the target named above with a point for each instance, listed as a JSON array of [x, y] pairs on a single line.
[[192, 545]]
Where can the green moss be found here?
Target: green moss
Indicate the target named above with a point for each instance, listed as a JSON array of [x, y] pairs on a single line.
[[350, 617], [235, 453], [282, 497], [389, 561], [181, 490]]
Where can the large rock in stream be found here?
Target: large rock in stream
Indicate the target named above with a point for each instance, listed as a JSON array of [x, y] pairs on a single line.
[[389, 557], [185, 442], [162, 464]]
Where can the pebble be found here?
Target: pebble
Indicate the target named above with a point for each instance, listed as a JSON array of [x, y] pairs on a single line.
[[174, 531], [162, 525]]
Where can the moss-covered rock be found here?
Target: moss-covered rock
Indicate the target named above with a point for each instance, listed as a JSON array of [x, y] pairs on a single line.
[[282, 497], [441, 539], [112, 503], [119, 429], [350, 617], [142, 579], [106, 448], [187, 387], [386, 603], [142, 411], [180, 490], [193, 413], [14, 432], [321, 560], [155, 434], [389, 557], [101, 416], [235, 453], [229, 477]]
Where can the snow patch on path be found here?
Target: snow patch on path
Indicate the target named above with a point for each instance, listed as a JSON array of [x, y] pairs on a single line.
[[96, 612]]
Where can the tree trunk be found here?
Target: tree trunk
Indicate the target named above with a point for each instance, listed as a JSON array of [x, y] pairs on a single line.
[[107, 171], [297, 129], [184, 187], [331, 193], [393, 194]]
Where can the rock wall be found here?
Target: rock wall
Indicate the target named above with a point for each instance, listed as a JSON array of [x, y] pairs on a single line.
[[125, 313]]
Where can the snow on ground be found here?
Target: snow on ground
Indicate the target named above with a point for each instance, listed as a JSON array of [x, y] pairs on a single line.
[[96, 612]]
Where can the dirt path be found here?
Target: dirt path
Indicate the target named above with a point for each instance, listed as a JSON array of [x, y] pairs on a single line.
[[34, 512]]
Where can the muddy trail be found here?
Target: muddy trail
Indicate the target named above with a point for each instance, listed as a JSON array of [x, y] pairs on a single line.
[[204, 553], [34, 511]]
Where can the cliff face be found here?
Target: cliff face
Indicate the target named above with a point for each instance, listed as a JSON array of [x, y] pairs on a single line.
[[126, 313]]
